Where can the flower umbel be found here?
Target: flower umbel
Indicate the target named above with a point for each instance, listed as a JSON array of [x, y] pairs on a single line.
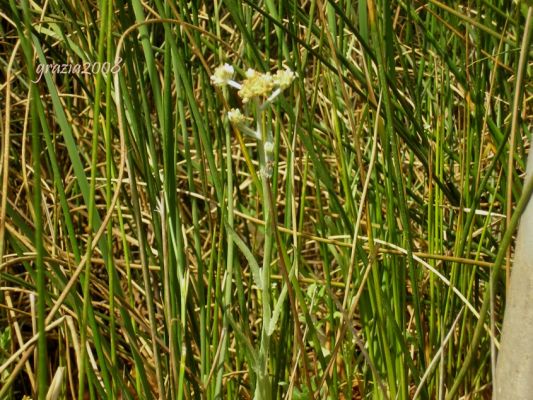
[[256, 85]]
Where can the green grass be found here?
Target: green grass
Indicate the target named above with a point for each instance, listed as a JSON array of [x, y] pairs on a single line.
[[144, 253]]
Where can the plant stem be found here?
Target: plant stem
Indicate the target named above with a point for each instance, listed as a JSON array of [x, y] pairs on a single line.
[[262, 391]]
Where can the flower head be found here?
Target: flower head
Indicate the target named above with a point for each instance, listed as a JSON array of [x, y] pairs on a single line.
[[222, 75], [235, 116], [284, 78], [256, 84]]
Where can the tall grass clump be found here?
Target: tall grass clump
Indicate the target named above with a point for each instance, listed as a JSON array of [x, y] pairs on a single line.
[[268, 200]]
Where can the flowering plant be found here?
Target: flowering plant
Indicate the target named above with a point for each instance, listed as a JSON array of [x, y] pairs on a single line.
[[259, 89]]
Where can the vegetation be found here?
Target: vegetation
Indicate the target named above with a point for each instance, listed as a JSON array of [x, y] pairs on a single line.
[[345, 233]]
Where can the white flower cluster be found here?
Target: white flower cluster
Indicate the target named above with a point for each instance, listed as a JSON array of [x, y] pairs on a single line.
[[256, 85]]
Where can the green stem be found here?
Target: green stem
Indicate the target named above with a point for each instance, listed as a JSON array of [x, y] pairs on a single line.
[[262, 390], [229, 262], [42, 374], [109, 194], [91, 212]]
